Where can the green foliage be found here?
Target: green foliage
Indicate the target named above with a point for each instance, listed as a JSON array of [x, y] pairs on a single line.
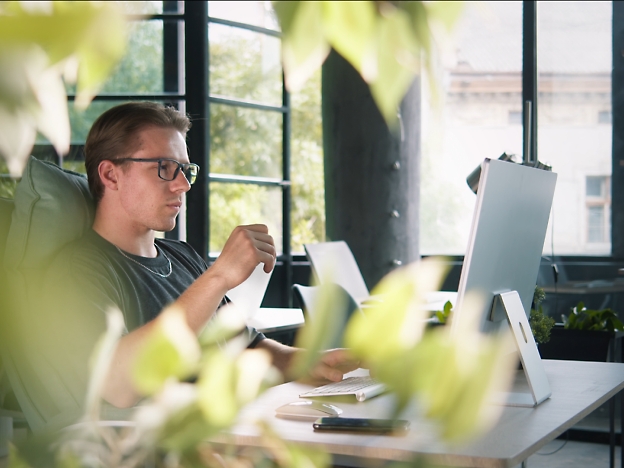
[[541, 324], [581, 318], [384, 41], [444, 314], [538, 296], [456, 373], [35, 59]]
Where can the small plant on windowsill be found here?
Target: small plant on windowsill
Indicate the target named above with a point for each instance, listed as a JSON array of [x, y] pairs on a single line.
[[541, 324], [581, 318]]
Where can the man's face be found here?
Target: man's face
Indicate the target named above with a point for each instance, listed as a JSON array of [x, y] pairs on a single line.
[[147, 201]]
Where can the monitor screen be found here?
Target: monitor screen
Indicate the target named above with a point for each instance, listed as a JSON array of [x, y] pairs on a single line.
[[506, 239]]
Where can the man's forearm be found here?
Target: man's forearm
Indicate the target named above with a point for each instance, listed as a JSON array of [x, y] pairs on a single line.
[[199, 302]]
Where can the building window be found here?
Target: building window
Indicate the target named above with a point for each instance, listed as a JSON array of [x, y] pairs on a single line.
[[604, 117], [515, 117], [598, 202]]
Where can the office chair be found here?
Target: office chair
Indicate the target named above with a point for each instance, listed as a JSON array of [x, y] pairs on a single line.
[[307, 298], [333, 262], [51, 208]]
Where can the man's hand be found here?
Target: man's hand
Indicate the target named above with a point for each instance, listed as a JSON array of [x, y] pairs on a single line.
[[246, 247], [333, 364]]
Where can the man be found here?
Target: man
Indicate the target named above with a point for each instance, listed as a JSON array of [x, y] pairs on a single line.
[[138, 170]]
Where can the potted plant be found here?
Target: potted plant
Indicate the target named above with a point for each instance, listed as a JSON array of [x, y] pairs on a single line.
[[584, 335]]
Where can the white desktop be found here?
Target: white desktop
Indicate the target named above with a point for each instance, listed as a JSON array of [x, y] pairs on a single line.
[[503, 258]]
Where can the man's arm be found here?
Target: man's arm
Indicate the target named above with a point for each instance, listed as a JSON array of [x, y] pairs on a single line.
[[332, 365], [246, 247]]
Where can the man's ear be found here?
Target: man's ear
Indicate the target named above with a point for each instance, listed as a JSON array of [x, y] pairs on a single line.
[[107, 172]]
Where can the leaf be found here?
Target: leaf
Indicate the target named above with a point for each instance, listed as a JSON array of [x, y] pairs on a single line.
[[171, 351], [396, 323], [446, 12], [38, 45], [304, 47], [226, 323], [101, 360], [322, 329], [398, 61], [350, 27], [216, 389]]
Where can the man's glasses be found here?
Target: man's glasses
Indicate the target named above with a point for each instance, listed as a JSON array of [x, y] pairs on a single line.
[[168, 169]]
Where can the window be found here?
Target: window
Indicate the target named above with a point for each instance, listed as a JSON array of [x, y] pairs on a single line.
[[574, 86], [604, 117], [479, 115], [515, 117], [476, 116], [597, 199], [259, 135]]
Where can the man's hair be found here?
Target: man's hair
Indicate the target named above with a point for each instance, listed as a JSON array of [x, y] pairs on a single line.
[[113, 135]]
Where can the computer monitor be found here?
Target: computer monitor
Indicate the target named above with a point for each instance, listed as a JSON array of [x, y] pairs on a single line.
[[503, 257]]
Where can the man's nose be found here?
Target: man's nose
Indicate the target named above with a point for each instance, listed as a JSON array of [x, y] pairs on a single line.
[[180, 183]]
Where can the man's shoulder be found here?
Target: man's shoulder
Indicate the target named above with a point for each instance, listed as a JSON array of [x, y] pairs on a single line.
[[89, 252]]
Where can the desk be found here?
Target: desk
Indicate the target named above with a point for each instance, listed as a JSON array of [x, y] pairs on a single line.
[[577, 389], [270, 319]]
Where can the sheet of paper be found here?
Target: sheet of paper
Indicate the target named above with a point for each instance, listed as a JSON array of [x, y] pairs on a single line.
[[248, 295]]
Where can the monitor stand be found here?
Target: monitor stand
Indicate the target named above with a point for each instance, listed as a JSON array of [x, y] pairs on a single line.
[[539, 388]]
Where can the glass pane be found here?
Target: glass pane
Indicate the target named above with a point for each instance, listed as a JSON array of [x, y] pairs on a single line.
[[235, 204], [141, 69], [475, 116], [245, 65], [245, 141], [574, 84], [595, 186], [308, 186], [142, 8], [595, 224], [256, 13], [81, 121]]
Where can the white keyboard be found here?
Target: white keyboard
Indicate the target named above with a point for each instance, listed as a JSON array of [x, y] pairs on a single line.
[[361, 387]]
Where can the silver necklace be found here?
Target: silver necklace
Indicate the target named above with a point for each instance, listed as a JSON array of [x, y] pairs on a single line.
[[149, 269]]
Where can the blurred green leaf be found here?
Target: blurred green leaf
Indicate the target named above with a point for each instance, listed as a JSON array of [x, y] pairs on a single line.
[[172, 351], [384, 41], [398, 62], [227, 322], [101, 358], [304, 46], [322, 328], [38, 46], [446, 12], [396, 323], [350, 29], [216, 384]]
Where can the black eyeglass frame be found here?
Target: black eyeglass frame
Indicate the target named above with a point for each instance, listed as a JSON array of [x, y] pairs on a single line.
[[181, 167]]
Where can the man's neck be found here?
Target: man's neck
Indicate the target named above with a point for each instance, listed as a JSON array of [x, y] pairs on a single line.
[[124, 236]]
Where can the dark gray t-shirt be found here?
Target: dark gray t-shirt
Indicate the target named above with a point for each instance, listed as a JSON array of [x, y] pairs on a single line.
[[87, 278]]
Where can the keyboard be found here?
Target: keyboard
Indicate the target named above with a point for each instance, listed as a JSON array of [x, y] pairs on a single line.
[[361, 387]]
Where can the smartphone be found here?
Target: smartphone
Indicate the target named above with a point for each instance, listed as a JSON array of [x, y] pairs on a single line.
[[361, 425]]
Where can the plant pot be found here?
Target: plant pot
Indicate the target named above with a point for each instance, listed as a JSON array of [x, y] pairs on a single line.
[[577, 345]]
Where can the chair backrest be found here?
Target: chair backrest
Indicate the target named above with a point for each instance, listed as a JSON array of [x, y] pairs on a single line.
[[52, 207], [6, 209], [307, 298], [333, 262]]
